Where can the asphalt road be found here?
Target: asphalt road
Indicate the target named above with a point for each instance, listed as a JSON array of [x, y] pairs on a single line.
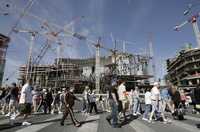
[[97, 123]]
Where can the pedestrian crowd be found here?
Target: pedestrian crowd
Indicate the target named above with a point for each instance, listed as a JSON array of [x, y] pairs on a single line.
[[155, 104]]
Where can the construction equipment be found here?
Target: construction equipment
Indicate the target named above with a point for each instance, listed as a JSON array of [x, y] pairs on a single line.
[[193, 21], [123, 42], [30, 59]]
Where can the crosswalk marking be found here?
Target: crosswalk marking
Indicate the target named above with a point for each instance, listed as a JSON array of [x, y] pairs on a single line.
[[37, 127], [90, 126], [140, 127], [186, 126]]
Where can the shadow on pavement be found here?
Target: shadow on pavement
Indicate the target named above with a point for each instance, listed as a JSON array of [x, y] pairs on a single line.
[[56, 120], [83, 122], [8, 126], [198, 126], [129, 119]]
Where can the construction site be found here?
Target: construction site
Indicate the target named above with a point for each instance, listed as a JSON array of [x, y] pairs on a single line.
[[97, 71], [81, 72], [183, 69]]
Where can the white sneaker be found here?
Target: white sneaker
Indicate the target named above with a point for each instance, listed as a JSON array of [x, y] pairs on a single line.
[[134, 114], [7, 115], [60, 112], [12, 117], [2, 112], [25, 123], [150, 121], [145, 119]]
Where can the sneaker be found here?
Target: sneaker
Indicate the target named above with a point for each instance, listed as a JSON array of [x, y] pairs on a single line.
[[62, 123], [138, 113], [7, 115], [117, 126], [134, 114], [108, 121], [145, 119], [78, 124], [26, 123], [13, 117], [150, 121], [60, 112], [2, 112]]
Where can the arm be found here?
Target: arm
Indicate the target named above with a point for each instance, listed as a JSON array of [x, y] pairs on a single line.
[[65, 102], [114, 98]]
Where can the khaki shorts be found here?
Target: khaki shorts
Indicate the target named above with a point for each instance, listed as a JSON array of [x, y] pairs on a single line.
[[13, 102]]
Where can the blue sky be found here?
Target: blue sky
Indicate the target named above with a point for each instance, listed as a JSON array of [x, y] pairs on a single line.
[[130, 20]]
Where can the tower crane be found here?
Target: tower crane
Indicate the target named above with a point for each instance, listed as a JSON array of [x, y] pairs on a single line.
[[124, 42], [96, 44], [30, 59], [193, 21]]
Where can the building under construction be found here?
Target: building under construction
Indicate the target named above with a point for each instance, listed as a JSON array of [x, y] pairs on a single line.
[[79, 72], [184, 69], [4, 40]]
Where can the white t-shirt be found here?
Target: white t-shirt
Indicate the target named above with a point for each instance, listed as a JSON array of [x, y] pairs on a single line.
[[147, 97], [26, 94], [121, 90], [92, 97], [155, 93]]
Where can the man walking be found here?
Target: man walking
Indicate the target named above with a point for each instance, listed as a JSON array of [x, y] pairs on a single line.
[[13, 94], [25, 102], [123, 99], [155, 96], [114, 102], [69, 100]]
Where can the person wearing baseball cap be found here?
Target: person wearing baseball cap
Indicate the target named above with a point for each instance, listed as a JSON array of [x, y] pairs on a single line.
[[69, 100]]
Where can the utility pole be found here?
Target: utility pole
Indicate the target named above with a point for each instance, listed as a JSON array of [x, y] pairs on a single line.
[[97, 67]]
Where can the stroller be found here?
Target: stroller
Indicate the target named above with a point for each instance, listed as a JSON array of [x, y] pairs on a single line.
[[179, 112]]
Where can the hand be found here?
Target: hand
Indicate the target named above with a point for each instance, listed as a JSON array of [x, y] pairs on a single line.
[[117, 103]]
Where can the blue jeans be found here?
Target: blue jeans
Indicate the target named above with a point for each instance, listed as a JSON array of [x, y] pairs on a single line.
[[114, 113], [147, 110], [136, 105]]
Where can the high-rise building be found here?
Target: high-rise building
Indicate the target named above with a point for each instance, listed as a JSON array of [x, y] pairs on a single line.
[[184, 69], [4, 40]]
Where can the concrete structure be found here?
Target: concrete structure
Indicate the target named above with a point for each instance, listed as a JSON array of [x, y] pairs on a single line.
[[184, 69], [4, 40], [67, 71]]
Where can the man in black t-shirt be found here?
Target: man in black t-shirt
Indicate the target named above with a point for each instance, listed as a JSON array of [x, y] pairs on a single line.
[[196, 97], [13, 95], [69, 101], [114, 102]]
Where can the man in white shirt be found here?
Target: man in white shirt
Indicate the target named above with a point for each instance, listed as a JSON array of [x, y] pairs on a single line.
[[122, 97], [155, 96], [147, 104], [25, 102]]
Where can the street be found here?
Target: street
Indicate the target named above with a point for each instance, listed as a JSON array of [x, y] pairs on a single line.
[[98, 123]]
